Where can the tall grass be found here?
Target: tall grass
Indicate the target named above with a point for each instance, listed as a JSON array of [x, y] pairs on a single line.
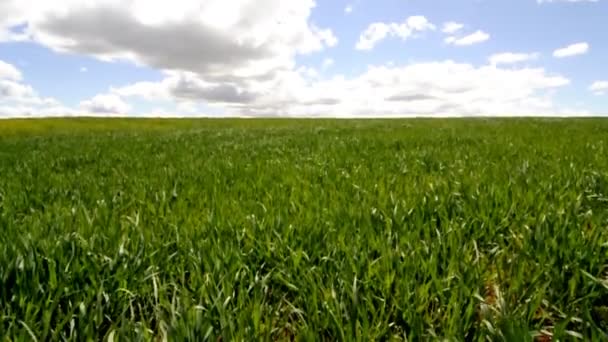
[[309, 230]]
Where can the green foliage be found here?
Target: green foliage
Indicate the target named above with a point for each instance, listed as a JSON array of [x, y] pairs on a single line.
[[304, 230]]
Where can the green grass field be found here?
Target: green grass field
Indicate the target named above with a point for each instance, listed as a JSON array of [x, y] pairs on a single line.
[[242, 230]]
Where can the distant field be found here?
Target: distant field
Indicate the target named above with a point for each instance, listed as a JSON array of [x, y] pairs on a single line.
[[312, 230]]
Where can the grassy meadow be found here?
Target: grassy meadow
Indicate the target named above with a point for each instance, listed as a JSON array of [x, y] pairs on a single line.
[[310, 230]]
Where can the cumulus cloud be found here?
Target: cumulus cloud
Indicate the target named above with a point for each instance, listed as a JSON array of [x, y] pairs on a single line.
[[186, 86], [599, 87], [471, 39], [25, 110], [226, 49], [9, 72], [572, 50], [12, 89], [372, 35], [512, 58], [105, 104], [250, 38], [377, 32], [18, 99], [231, 47], [435, 88], [452, 27], [427, 89], [11, 13], [241, 56]]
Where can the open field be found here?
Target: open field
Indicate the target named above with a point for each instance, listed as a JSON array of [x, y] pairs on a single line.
[[312, 230]]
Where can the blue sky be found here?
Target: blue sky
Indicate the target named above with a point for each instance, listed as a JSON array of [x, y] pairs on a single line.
[[330, 58]]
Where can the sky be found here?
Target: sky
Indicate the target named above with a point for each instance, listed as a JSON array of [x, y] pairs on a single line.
[[303, 58]]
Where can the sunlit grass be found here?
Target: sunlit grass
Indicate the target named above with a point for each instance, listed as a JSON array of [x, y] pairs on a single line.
[[304, 229]]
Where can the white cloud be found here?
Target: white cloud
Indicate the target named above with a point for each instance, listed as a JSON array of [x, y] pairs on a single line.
[[11, 13], [452, 27], [512, 58], [426, 89], [325, 38], [7, 35], [186, 86], [373, 34], [248, 64], [377, 32], [328, 62], [435, 88], [414, 23], [247, 43], [83, 69], [243, 38], [15, 90], [149, 91], [18, 99], [9, 72], [16, 110], [599, 87], [473, 38], [572, 50], [110, 104], [348, 9]]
